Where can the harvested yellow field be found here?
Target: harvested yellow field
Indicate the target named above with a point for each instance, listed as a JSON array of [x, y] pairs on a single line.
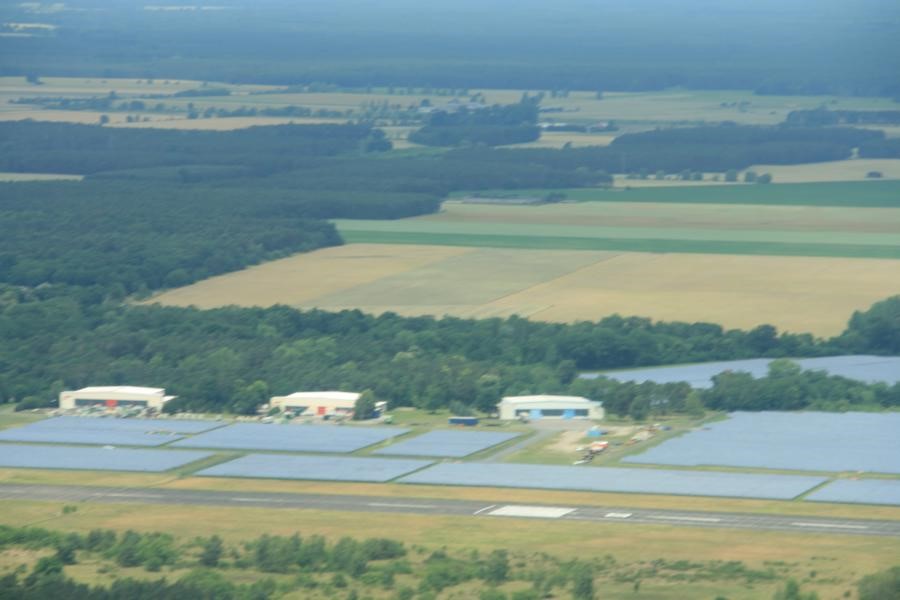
[[300, 279], [840, 170], [225, 123], [800, 294], [558, 139]]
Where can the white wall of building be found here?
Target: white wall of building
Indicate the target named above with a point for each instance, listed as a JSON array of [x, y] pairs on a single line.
[[549, 407], [114, 397], [316, 403]]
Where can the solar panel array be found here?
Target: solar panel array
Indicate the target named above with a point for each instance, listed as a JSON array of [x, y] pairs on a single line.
[[291, 438], [870, 369], [34, 456], [327, 468], [105, 431], [800, 441], [454, 444], [601, 479], [860, 491]]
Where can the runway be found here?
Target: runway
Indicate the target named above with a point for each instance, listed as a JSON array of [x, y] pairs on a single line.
[[443, 507]]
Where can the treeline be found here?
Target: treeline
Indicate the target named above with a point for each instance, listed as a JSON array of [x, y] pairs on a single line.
[[881, 149], [709, 149], [84, 149], [827, 117], [489, 125], [233, 359], [786, 387]]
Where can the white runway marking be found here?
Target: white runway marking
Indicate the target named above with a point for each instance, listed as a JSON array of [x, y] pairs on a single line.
[[481, 510], [837, 525], [680, 518], [393, 505], [535, 512], [617, 515]]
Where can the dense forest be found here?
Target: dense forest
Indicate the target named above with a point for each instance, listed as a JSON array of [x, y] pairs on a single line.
[[773, 47], [488, 125], [825, 116], [233, 359]]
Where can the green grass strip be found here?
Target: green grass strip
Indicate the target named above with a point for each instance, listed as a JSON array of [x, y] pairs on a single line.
[[862, 194], [629, 245]]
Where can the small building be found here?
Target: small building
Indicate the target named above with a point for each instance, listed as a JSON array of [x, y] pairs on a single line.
[[320, 404], [549, 407], [117, 396]]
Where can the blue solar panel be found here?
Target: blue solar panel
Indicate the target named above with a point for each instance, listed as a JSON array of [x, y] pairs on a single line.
[[105, 431], [601, 479], [328, 468], [811, 441], [860, 491], [454, 444], [118, 424], [292, 438], [100, 459], [870, 369]]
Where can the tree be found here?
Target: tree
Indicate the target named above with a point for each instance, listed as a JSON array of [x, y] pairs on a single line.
[[104, 119], [496, 568], [582, 582], [212, 552], [731, 175], [884, 585], [693, 405], [792, 591], [750, 177], [365, 406], [764, 178]]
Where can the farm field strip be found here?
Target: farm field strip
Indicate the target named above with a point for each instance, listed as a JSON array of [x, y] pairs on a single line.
[[435, 226], [854, 194], [561, 286]]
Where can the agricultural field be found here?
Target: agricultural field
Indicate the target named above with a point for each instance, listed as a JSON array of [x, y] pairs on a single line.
[[559, 285], [631, 111]]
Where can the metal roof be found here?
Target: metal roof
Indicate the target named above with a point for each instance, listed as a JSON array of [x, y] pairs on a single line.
[[547, 398], [122, 389], [351, 396]]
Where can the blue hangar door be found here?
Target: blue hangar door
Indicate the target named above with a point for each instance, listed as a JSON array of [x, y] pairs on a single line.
[[569, 413], [535, 413]]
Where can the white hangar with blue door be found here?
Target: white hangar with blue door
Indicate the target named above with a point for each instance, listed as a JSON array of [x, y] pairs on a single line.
[[549, 407]]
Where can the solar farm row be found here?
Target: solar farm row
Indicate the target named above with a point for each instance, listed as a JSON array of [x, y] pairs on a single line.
[[326, 468], [794, 441], [447, 443], [291, 438], [859, 491], [95, 459], [250, 436], [105, 431], [603, 479], [870, 369]]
